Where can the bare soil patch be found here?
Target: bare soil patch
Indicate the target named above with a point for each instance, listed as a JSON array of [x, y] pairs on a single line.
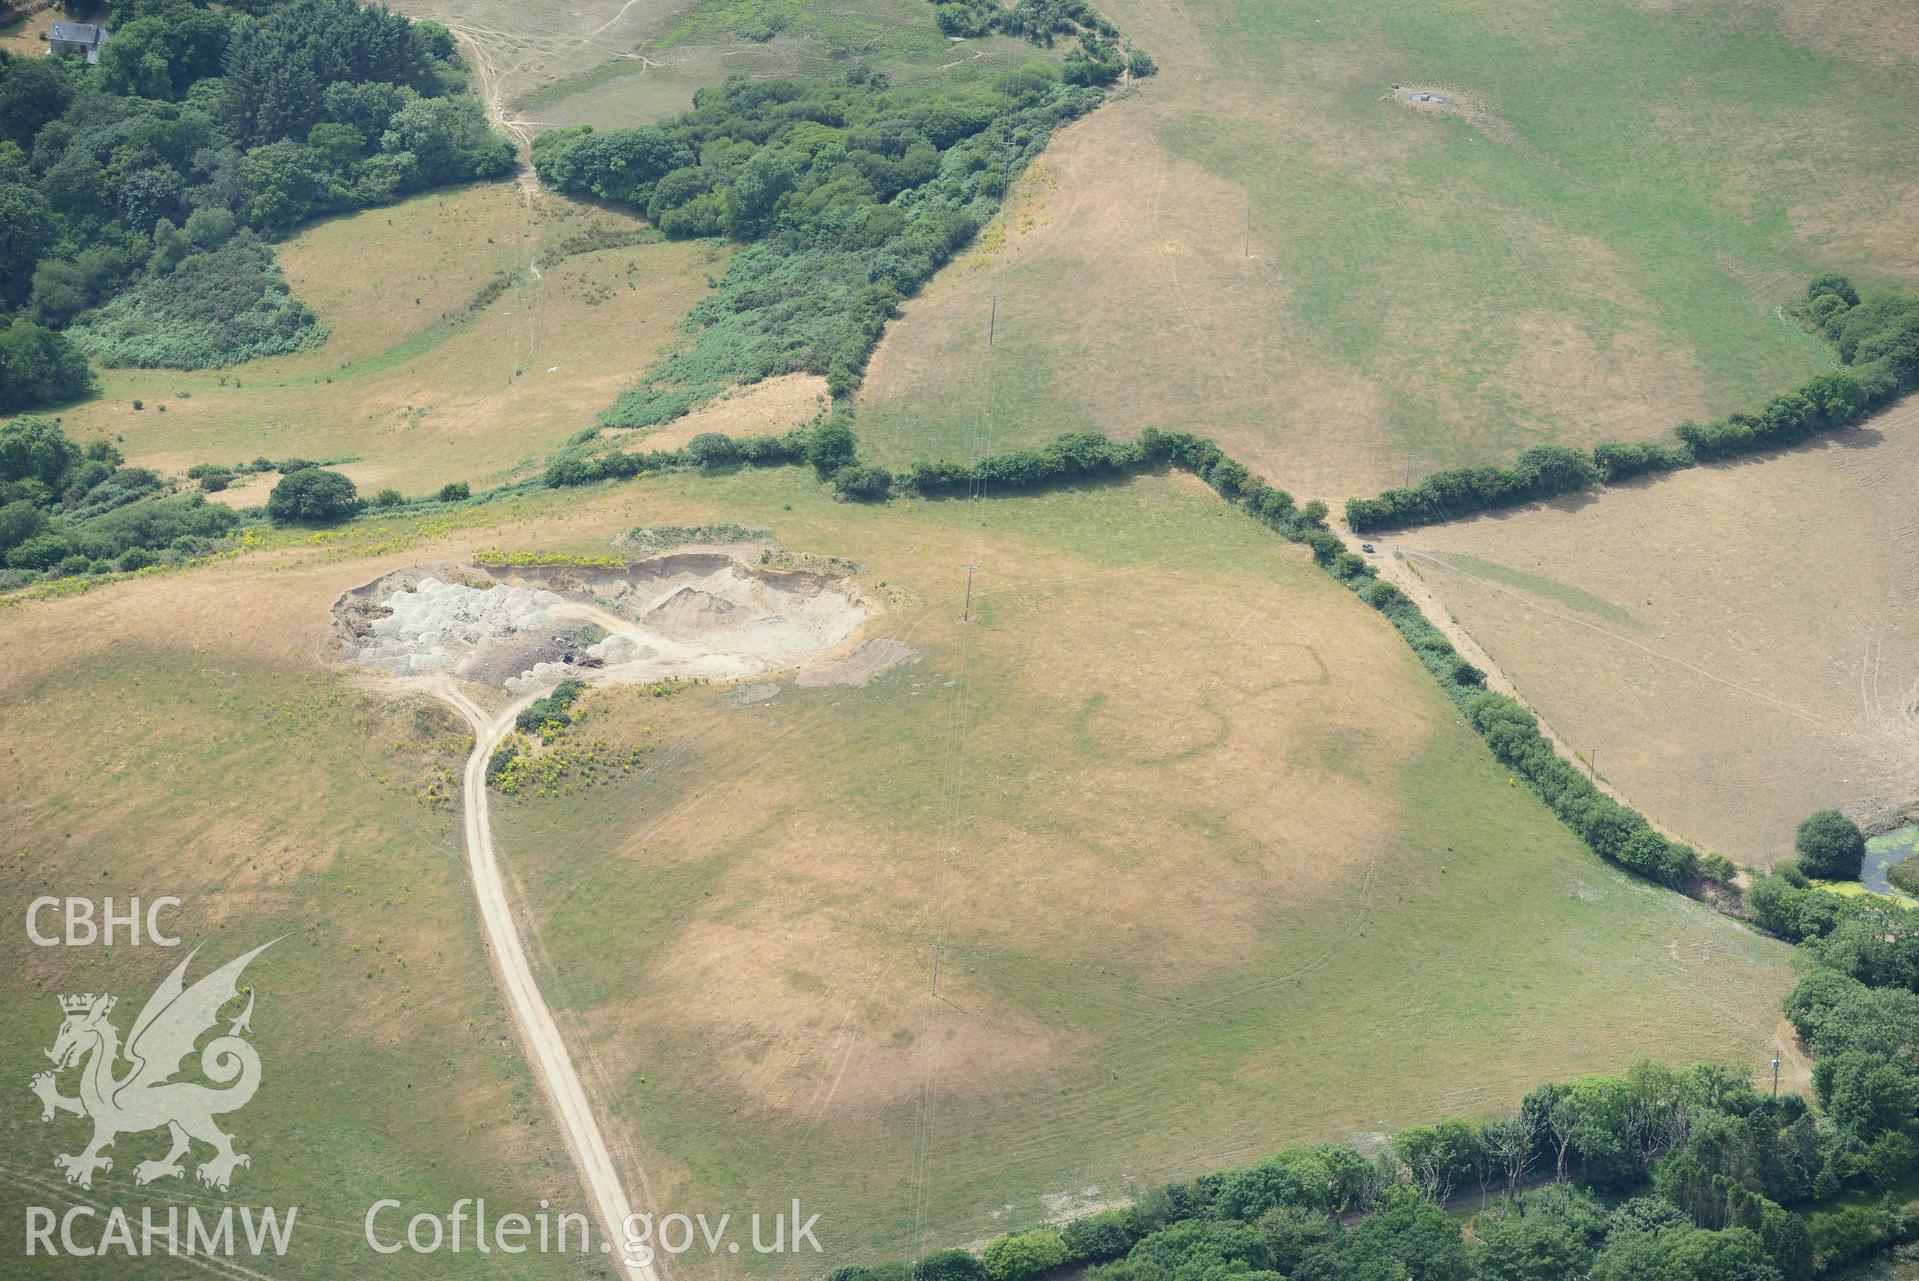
[[880, 654], [682, 616], [1462, 104]]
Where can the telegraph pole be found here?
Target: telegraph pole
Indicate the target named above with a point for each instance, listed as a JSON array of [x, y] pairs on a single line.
[[966, 615], [1775, 1072], [937, 949], [992, 326]]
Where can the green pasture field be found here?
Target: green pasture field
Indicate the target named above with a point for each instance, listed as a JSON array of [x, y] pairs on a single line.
[[1266, 244], [610, 63]]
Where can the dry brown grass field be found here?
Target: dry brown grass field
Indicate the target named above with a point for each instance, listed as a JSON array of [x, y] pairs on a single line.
[[405, 384], [1264, 243], [27, 37], [1211, 863], [179, 735], [1737, 641]]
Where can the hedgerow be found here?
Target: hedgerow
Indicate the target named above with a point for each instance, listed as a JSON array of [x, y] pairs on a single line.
[[1877, 338], [577, 467]]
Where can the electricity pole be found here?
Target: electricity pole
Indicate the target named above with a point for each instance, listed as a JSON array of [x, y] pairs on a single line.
[[1775, 1073], [937, 949], [966, 615], [992, 326]]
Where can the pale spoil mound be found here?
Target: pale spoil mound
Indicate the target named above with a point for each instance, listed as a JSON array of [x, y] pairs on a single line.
[[692, 615], [434, 625]]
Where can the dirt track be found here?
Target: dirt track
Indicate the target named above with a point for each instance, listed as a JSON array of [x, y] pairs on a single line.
[[551, 1062], [693, 632]]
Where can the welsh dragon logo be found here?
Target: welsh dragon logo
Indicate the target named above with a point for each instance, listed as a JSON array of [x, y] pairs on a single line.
[[145, 1096]]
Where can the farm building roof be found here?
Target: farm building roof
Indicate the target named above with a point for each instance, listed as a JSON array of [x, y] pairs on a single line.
[[76, 32]]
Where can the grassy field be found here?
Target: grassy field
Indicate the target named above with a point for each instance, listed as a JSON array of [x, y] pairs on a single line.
[[1265, 243], [1210, 863], [611, 63], [1170, 852], [1737, 641], [27, 37], [415, 383], [160, 741]]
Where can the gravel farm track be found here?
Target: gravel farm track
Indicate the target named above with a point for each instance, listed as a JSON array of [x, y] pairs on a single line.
[[672, 607], [549, 1056]]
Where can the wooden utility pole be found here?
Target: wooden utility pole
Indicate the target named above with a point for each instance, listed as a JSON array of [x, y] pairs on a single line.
[[966, 614], [992, 326]]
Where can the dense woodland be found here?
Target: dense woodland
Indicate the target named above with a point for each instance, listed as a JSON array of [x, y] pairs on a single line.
[[134, 194], [68, 509], [852, 190]]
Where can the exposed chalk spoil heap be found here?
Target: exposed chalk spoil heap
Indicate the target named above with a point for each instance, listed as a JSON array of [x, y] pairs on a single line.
[[432, 627], [687, 615]]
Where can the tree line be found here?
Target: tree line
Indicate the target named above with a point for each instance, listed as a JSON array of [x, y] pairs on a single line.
[[69, 509], [200, 125], [1877, 339], [1653, 1174], [1100, 54]]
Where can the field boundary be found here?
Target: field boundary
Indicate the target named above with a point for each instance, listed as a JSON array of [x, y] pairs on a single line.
[[1405, 576], [1877, 340], [1612, 828]]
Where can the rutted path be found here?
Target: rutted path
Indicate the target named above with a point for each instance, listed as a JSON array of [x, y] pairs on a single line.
[[693, 614], [551, 1063]]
